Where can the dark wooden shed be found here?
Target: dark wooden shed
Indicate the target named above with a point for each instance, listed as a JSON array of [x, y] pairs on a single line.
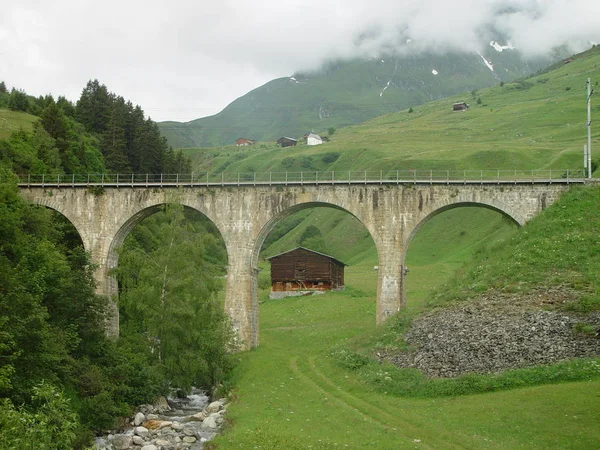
[[286, 142], [462, 106], [303, 269]]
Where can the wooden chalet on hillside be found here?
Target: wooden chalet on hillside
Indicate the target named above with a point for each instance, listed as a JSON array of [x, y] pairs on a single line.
[[286, 142], [462, 106], [302, 269], [243, 141]]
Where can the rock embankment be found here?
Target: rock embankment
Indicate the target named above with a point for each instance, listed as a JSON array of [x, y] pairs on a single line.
[[496, 332], [169, 427]]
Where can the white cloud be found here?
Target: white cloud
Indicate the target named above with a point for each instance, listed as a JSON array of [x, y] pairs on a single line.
[[183, 59]]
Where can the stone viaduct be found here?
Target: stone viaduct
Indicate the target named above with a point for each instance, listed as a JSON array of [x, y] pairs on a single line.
[[244, 215]]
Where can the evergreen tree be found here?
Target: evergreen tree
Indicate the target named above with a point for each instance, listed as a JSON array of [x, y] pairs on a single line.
[[18, 101], [93, 107], [3, 89]]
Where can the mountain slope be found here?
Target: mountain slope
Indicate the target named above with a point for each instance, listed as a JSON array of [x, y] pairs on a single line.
[[534, 123], [348, 92]]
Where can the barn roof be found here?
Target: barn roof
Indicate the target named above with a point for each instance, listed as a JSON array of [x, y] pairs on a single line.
[[308, 250]]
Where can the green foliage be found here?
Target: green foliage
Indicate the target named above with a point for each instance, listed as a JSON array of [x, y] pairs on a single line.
[[51, 425], [18, 101], [169, 274], [129, 142], [330, 131]]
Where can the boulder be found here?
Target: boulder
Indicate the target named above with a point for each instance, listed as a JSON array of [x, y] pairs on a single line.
[[139, 419], [142, 432], [210, 423], [214, 407], [122, 442], [150, 447]]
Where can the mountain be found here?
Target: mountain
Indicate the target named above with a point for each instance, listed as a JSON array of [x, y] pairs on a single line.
[[343, 93]]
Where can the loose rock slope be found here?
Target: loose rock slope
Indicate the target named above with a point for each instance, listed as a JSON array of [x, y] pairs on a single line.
[[499, 331]]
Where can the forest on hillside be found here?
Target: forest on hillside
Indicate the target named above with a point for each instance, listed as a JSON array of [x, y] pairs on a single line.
[[62, 380]]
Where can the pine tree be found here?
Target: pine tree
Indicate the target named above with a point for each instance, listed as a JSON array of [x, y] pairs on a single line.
[[93, 107]]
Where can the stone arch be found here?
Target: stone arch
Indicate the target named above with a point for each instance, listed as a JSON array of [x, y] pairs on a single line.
[[50, 203], [264, 231], [112, 256], [283, 214], [517, 220]]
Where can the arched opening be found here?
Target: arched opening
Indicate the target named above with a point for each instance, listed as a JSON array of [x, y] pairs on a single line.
[[171, 278], [444, 240], [335, 235]]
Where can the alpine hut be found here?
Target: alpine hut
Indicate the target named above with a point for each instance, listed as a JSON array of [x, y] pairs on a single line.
[[302, 269]]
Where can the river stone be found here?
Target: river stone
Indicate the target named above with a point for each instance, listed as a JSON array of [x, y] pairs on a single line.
[[198, 417], [189, 431], [165, 424], [209, 423], [152, 416], [142, 431], [139, 419], [162, 405], [214, 407], [177, 426], [162, 442], [137, 440], [121, 442], [150, 447], [189, 439], [152, 424]]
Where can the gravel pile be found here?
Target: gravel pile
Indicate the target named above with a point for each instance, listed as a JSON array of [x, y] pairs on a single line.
[[498, 331]]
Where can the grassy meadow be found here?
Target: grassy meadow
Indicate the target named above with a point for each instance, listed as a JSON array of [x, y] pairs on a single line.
[[291, 392], [11, 121]]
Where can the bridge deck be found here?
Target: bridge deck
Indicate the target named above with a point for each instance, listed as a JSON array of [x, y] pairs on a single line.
[[168, 184]]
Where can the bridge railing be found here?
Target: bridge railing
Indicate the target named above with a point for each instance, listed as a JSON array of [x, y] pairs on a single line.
[[302, 177]]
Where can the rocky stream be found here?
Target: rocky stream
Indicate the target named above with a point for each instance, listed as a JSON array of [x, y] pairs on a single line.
[[170, 424]]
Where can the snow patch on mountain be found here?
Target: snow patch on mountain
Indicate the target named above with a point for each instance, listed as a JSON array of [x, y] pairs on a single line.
[[500, 48], [293, 80], [384, 88], [435, 72], [487, 63]]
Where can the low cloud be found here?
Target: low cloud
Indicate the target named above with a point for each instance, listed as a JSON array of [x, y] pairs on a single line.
[[182, 59]]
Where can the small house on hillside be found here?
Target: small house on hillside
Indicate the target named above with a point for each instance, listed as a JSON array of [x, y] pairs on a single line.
[[313, 139], [462, 106], [301, 269], [243, 141], [286, 142]]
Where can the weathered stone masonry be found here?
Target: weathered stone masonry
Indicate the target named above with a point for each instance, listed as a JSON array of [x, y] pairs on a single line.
[[245, 215]]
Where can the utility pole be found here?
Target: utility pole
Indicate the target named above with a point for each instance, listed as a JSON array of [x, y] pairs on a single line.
[[589, 128]]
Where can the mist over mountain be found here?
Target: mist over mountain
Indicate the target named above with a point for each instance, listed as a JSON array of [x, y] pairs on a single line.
[[343, 92]]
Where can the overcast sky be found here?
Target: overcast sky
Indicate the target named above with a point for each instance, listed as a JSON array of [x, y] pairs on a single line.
[[184, 59]]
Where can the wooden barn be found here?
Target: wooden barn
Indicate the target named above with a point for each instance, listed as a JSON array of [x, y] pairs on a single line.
[[243, 141], [286, 142], [302, 269], [462, 106]]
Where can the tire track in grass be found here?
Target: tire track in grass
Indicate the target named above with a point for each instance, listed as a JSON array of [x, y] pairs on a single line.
[[366, 417], [383, 416]]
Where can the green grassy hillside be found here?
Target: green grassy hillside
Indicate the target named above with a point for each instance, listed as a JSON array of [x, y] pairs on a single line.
[[538, 122], [11, 121], [347, 92]]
